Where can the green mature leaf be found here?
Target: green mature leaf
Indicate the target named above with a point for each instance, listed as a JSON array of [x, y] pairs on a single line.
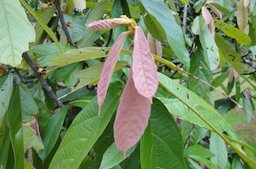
[[27, 102], [46, 16], [198, 150], [218, 147], [66, 74], [113, 156], [46, 53], [78, 55], [207, 41], [14, 39], [76, 144], [228, 54], [161, 145], [5, 96], [51, 132], [42, 23], [204, 161], [77, 28], [16, 133], [165, 19], [30, 139], [233, 32], [206, 115], [4, 147], [199, 68], [92, 74]]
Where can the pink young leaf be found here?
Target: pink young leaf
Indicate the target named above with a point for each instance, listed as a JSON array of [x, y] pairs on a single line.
[[131, 118], [109, 23], [159, 48], [143, 66], [108, 68], [216, 11], [212, 28], [246, 3], [207, 15]]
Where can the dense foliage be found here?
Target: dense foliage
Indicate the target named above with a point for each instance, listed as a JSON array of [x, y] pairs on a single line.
[[127, 84]]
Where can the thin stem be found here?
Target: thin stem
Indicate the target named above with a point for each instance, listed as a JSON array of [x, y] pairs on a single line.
[[43, 82], [63, 23], [109, 38], [189, 136]]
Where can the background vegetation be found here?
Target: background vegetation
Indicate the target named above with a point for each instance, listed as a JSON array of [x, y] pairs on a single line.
[[203, 113]]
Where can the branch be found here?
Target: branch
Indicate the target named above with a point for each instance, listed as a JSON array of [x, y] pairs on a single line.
[[189, 136], [63, 23], [43, 82]]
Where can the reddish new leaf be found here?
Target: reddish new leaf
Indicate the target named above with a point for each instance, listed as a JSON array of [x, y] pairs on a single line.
[[108, 68], [131, 118], [216, 11], [109, 23], [143, 66], [207, 15], [246, 3]]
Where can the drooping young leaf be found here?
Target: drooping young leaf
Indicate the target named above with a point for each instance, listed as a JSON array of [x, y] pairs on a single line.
[[109, 23], [207, 15], [143, 66], [242, 17], [215, 10], [109, 67], [246, 3], [85, 130], [132, 116], [14, 39]]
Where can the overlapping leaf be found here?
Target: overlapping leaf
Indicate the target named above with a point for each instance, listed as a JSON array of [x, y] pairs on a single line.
[[131, 118], [108, 68], [109, 23], [15, 34], [143, 66]]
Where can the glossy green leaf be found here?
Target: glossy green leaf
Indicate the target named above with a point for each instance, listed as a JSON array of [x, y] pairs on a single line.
[[198, 150], [46, 16], [158, 10], [27, 102], [209, 46], [113, 156], [51, 132], [228, 54], [76, 144], [77, 27], [14, 39], [206, 115], [218, 147], [161, 145], [78, 55], [4, 147], [46, 53], [16, 133], [199, 68], [92, 74], [233, 32], [5, 96]]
